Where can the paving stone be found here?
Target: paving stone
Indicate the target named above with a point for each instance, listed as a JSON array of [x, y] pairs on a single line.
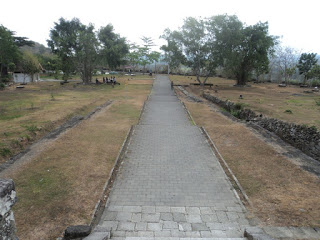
[[199, 227], [126, 226], [110, 216], [179, 217], [205, 234], [124, 216], [166, 216], [154, 227], [148, 209], [150, 217], [163, 233], [178, 210], [109, 225], [170, 225], [185, 226], [136, 217], [141, 226], [193, 210], [194, 218], [209, 218], [133, 209], [145, 234], [206, 210], [163, 209]]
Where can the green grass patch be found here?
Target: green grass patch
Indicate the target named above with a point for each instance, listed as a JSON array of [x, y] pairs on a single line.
[[5, 152], [288, 111], [9, 117]]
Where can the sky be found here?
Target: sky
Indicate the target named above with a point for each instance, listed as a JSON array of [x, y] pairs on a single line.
[[295, 21]]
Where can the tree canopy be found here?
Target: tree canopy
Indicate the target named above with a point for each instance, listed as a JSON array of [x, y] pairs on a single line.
[[223, 41], [10, 54], [306, 63], [113, 48]]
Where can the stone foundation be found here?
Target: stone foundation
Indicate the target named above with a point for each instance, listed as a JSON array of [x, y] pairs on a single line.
[[7, 200]]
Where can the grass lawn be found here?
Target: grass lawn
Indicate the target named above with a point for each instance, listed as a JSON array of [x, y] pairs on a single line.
[[290, 104], [61, 185]]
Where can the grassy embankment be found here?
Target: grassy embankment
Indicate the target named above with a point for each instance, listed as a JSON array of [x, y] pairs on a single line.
[[282, 193], [61, 185]]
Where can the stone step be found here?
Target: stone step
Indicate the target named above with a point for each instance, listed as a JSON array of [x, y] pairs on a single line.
[[173, 238], [98, 236]]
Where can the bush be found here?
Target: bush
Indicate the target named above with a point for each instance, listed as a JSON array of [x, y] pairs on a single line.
[[4, 152], [288, 111], [315, 82], [236, 113], [2, 85], [238, 106]]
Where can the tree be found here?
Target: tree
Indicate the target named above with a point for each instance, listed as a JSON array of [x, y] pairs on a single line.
[[193, 41], [76, 45], [315, 72], [305, 64], [239, 49], [133, 56], [113, 47], [145, 54], [29, 64], [286, 61], [86, 52], [9, 50], [173, 54], [63, 41]]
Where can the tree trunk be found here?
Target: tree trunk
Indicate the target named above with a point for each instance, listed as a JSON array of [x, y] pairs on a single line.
[[242, 78]]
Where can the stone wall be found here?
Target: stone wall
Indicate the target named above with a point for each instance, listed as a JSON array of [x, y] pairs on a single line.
[[7, 200], [307, 139]]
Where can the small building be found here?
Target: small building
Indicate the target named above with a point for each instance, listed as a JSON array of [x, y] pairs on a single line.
[[19, 77]]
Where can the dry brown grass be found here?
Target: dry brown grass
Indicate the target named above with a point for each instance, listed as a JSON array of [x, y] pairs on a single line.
[[282, 193], [62, 184], [267, 98], [46, 105]]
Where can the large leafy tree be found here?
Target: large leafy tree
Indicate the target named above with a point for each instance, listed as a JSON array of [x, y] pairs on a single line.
[[63, 42], [29, 64], [9, 50], [306, 63], [86, 52], [76, 45], [113, 47], [239, 49], [193, 41], [173, 53]]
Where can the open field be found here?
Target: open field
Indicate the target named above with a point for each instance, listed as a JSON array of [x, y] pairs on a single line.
[[29, 113], [61, 185], [290, 104], [282, 193]]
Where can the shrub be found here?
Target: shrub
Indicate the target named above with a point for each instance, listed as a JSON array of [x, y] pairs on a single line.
[[288, 111], [31, 128], [4, 152], [317, 102], [2, 85], [235, 113]]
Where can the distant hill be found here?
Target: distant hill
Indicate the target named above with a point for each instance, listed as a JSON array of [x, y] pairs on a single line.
[[37, 49]]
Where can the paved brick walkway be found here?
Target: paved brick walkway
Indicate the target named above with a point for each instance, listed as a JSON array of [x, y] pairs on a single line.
[[171, 185]]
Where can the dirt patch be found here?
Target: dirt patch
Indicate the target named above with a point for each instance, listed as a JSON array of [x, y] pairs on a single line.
[[282, 193]]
